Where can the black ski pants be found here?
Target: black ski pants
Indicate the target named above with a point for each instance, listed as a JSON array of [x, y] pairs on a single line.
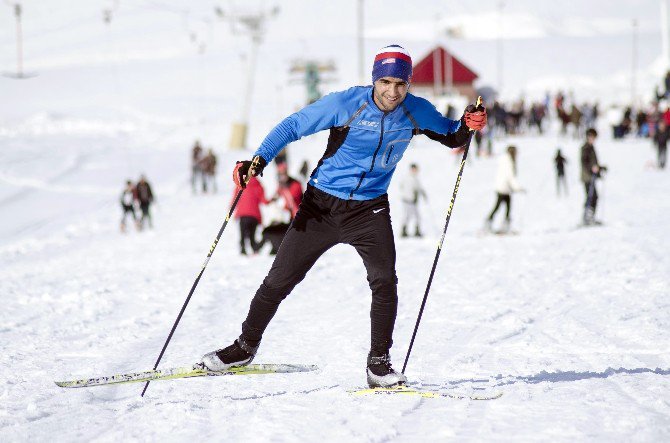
[[322, 222], [248, 227], [502, 198]]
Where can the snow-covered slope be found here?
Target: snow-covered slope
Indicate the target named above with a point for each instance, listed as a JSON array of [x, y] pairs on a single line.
[[570, 324]]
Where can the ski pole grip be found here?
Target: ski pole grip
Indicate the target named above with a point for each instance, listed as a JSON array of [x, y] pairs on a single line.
[[252, 169]]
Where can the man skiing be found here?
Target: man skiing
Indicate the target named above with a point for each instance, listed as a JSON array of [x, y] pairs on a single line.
[[590, 172], [346, 200]]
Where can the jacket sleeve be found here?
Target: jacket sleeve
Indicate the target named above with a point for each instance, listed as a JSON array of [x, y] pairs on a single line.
[[316, 117], [451, 133]]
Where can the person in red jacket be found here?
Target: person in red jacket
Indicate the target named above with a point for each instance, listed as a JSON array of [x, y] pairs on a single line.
[[248, 212], [289, 189]]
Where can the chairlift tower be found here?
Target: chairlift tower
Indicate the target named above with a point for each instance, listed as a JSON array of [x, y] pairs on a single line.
[[19, 46], [311, 72], [253, 25]]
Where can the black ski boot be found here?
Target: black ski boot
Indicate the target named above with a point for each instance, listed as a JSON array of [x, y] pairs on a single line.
[[240, 353], [380, 373], [404, 231]]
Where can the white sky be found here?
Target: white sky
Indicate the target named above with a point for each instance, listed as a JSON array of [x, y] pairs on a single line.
[[585, 47]]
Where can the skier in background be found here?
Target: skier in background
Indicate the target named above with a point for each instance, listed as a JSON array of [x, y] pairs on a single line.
[[196, 165], [505, 184], [661, 141], [590, 172], [346, 200], [145, 197], [248, 214], [410, 191], [128, 197], [560, 162]]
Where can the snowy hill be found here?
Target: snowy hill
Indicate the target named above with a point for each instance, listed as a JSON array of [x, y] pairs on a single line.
[[569, 324]]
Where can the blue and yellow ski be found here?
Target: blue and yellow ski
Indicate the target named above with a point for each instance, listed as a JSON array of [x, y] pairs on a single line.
[[196, 370]]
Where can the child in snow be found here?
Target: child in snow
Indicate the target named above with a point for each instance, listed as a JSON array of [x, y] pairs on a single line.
[[128, 197], [505, 184], [560, 162], [411, 190]]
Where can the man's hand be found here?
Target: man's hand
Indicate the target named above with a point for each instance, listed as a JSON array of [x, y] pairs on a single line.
[[475, 118], [246, 169]]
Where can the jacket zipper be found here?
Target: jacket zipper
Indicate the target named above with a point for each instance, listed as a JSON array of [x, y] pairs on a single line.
[[388, 157], [374, 157]]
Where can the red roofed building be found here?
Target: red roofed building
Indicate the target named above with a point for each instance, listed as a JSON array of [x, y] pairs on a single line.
[[438, 69]]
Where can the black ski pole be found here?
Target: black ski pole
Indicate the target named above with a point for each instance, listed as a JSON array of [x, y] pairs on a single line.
[[250, 173], [439, 246]]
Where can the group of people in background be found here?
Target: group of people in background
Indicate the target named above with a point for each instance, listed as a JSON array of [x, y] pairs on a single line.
[[504, 119], [650, 121], [203, 169], [519, 117], [506, 182], [136, 200], [285, 201]]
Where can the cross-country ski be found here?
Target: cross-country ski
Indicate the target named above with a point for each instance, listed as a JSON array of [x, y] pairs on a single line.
[[424, 393], [196, 370]]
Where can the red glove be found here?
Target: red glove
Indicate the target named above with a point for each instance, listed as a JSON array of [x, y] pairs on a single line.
[[244, 170], [475, 118]]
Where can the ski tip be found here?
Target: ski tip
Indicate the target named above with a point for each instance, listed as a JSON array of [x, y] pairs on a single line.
[[493, 396]]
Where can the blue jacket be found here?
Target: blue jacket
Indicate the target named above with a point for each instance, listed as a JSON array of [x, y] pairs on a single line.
[[365, 143]]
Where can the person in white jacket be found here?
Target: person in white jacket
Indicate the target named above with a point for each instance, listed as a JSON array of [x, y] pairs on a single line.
[[410, 191], [505, 184]]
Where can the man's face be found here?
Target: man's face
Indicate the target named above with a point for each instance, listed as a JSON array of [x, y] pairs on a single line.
[[389, 92]]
